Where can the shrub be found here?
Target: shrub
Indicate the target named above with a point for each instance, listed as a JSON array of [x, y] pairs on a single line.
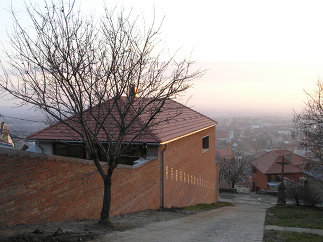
[[303, 194]]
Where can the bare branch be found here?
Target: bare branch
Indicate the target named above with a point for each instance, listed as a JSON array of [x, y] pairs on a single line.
[[82, 74], [309, 124]]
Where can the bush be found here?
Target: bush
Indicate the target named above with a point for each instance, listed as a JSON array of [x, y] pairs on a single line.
[[311, 196], [294, 192], [303, 194]]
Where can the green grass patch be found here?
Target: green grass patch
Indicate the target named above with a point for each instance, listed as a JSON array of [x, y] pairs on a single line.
[[295, 216], [274, 235], [199, 207]]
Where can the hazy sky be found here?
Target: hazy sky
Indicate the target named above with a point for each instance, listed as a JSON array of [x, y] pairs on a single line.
[[259, 54]]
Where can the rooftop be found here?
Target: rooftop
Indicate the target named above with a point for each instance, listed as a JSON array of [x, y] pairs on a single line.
[[174, 121], [225, 152], [268, 163]]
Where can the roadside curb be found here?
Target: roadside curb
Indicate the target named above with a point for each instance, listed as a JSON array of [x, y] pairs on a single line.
[[295, 229]]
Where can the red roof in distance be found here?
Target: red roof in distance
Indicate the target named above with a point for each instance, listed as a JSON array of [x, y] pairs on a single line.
[[268, 163], [184, 121], [221, 134], [225, 152]]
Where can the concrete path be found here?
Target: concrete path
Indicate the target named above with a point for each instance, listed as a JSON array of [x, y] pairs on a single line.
[[243, 222], [294, 229]]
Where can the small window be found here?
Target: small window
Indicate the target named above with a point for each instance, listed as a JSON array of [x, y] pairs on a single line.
[[205, 143], [69, 150]]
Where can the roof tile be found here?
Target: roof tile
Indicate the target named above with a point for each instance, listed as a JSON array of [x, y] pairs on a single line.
[[268, 163], [175, 120]]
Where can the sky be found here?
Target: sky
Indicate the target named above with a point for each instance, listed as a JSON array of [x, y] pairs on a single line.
[[259, 55]]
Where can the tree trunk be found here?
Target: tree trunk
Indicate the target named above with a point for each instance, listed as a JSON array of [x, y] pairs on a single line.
[[105, 212]]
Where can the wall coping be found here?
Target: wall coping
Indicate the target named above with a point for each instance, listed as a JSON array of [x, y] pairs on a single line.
[[26, 154], [140, 162]]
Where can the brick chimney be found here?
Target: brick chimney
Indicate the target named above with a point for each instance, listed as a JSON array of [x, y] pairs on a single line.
[[133, 92]]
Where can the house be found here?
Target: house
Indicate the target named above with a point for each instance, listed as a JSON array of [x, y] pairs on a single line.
[[224, 153], [266, 168], [184, 147], [221, 137], [5, 137]]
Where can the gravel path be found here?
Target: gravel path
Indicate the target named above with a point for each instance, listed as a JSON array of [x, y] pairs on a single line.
[[244, 222]]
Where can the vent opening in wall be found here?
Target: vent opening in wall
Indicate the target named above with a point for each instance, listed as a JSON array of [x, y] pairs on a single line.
[[205, 143]]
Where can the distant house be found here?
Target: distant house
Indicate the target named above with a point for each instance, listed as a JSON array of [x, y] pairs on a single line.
[[245, 147], [224, 153], [266, 168], [222, 135], [184, 146], [5, 137]]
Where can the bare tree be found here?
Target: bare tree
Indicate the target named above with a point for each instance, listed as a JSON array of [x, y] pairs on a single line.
[[234, 170], [309, 123], [84, 74]]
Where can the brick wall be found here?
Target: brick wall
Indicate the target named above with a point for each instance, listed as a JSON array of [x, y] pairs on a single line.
[[37, 188], [294, 176], [259, 180], [190, 172]]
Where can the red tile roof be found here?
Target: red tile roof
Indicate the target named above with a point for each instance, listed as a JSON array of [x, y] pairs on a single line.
[[221, 134], [181, 121], [225, 152], [268, 163]]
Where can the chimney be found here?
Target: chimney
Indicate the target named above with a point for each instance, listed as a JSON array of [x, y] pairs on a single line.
[[133, 92]]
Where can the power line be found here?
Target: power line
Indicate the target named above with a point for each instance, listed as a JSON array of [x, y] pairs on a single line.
[[22, 119]]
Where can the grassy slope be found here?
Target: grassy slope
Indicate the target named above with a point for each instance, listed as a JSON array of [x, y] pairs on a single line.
[[272, 235], [292, 216]]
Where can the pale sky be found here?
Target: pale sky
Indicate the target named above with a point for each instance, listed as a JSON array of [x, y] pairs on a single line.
[[260, 55]]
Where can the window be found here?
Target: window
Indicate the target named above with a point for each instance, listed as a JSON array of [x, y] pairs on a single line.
[[69, 150], [205, 143], [273, 178]]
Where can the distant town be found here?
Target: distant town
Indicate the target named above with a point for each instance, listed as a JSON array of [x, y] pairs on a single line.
[[249, 135], [252, 135]]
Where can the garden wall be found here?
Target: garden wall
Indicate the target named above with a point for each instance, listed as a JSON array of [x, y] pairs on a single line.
[[37, 188]]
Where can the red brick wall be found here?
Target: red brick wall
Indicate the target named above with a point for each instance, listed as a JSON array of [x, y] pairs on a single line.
[[190, 173], [294, 176], [259, 180], [136, 189], [37, 188]]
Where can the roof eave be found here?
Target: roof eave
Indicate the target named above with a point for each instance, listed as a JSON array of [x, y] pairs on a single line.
[[188, 134]]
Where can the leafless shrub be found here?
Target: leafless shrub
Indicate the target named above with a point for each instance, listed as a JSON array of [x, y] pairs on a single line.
[[309, 123]]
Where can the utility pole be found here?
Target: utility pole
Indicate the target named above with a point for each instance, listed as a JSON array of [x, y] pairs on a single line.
[[281, 201]]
